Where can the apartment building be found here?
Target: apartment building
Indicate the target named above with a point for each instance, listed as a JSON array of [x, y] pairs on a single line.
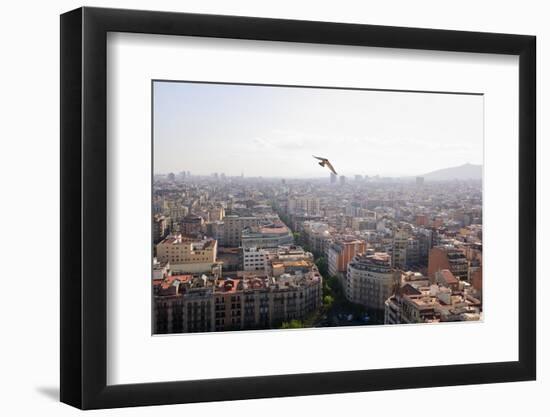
[[192, 225], [431, 304], [399, 249], [341, 252], [448, 257], [254, 259], [160, 227], [371, 280], [266, 236], [233, 226], [203, 304], [304, 204], [317, 236], [186, 254]]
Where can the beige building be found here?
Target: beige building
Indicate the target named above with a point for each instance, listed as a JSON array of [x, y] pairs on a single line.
[[177, 212], [289, 260], [431, 304], [216, 213], [188, 255], [233, 227], [304, 204], [399, 249]]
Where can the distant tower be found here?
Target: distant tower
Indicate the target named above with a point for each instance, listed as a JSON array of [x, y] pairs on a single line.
[[171, 177], [342, 180], [332, 178], [419, 180]]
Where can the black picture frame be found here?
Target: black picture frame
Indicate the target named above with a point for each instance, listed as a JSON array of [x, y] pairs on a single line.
[[84, 207]]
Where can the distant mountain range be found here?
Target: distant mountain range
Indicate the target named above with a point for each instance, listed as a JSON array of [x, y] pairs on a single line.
[[462, 172]]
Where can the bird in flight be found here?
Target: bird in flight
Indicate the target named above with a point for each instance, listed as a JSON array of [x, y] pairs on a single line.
[[325, 163]]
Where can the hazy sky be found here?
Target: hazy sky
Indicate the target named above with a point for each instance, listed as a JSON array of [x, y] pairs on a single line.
[[274, 131]]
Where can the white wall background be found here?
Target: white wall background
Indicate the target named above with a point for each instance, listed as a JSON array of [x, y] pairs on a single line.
[[29, 171]]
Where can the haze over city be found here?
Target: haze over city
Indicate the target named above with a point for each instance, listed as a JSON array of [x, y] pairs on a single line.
[[274, 131]]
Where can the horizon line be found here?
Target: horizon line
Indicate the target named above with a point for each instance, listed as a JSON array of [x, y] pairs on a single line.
[[323, 177]]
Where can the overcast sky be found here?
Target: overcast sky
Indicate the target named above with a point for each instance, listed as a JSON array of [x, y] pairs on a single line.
[[274, 131]]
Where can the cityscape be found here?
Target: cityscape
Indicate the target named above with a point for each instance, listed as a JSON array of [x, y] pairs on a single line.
[[271, 245]]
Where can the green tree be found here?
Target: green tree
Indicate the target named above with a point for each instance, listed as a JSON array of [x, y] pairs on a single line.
[[292, 324], [322, 266], [328, 301]]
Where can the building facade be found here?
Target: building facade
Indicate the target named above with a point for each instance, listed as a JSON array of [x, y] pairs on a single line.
[[254, 259], [266, 236], [399, 249], [370, 280], [341, 252], [186, 254], [202, 304], [304, 204], [191, 225], [160, 228], [448, 257], [233, 226], [431, 304]]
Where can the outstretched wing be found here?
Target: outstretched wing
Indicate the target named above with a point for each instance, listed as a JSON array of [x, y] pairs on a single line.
[[329, 166], [319, 158]]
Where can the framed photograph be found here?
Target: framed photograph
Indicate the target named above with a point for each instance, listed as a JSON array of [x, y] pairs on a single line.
[[258, 208]]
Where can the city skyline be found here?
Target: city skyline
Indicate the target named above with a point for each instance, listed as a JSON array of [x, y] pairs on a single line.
[[326, 175], [249, 255], [274, 131]]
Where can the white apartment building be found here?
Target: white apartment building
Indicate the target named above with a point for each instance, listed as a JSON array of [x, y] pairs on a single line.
[[255, 259], [371, 280]]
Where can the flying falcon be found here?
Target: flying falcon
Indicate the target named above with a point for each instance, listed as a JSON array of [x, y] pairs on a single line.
[[325, 163]]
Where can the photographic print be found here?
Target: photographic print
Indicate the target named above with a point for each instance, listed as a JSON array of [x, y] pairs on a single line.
[[289, 207], [234, 202]]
